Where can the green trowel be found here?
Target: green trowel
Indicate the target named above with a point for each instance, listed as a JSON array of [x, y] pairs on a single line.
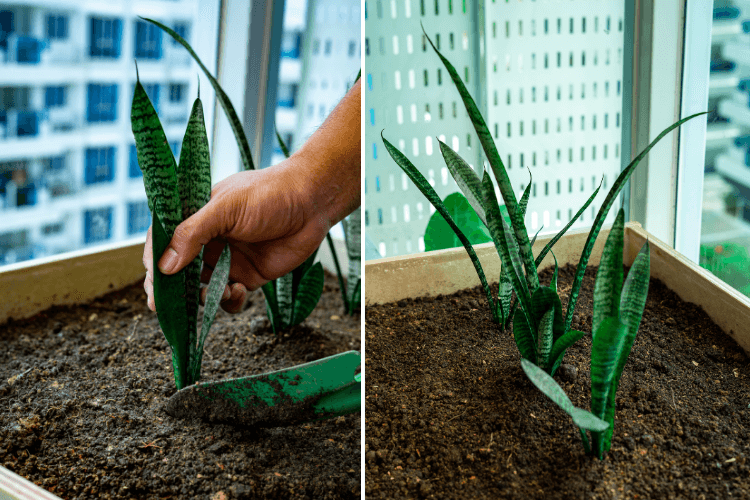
[[312, 391]]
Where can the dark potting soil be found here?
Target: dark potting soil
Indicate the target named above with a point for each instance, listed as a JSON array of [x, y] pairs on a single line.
[[83, 391], [450, 413]]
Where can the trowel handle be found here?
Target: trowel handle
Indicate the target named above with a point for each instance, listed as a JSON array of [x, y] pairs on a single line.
[[342, 402]]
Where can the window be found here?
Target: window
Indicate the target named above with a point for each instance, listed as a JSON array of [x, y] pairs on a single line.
[[182, 29], [287, 95], [177, 92], [57, 27], [54, 96], [100, 165], [147, 40], [134, 171], [97, 225], [290, 44], [139, 217], [105, 37], [352, 48], [102, 103], [54, 164]]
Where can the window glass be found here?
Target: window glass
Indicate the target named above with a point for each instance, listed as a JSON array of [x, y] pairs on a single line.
[[571, 125], [725, 220], [68, 164]]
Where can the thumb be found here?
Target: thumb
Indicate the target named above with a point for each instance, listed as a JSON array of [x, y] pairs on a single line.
[[188, 239]]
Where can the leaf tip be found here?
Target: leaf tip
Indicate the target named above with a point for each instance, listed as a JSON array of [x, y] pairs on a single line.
[[137, 78]]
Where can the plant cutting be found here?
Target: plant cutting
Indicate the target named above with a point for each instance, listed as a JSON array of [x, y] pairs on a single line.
[[175, 192], [353, 238], [512, 243], [617, 312]]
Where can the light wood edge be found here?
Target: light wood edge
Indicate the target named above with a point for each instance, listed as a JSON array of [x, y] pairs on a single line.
[[446, 271], [727, 307], [70, 279], [14, 487]]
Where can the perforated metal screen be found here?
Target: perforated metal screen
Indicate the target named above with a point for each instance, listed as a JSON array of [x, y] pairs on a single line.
[[547, 75]]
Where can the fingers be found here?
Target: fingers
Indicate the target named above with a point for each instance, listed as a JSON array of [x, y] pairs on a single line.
[[148, 285], [233, 298], [189, 237]]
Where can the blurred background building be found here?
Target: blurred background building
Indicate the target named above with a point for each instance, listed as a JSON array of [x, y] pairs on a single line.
[[69, 176]]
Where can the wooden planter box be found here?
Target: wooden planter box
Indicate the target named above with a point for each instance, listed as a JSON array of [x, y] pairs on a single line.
[[447, 271], [78, 278]]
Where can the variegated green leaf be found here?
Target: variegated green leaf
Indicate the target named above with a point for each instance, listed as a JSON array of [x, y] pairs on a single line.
[[272, 306], [170, 306], [524, 336], [285, 296], [553, 282], [221, 96], [504, 294], [544, 339], [560, 346], [524, 203], [504, 243], [216, 286], [503, 181], [424, 187], [632, 304], [606, 349], [156, 161], [602, 214], [353, 239], [308, 294], [438, 234], [467, 180], [284, 148], [608, 284], [552, 390], [194, 182]]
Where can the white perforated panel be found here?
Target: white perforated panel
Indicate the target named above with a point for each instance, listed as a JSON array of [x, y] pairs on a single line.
[[549, 86]]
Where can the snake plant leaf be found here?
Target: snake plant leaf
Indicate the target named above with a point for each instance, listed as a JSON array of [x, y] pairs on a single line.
[[572, 221], [221, 96], [353, 240], [498, 169], [545, 383], [194, 182], [524, 336], [284, 148], [216, 286], [553, 282], [505, 245], [544, 339], [285, 296], [604, 210], [424, 187], [272, 305], [606, 350], [504, 294], [156, 161], [170, 305], [632, 304], [560, 346], [608, 284], [543, 299], [438, 234], [467, 180], [524, 203], [308, 294]]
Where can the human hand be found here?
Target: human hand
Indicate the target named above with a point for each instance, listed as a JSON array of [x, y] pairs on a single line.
[[268, 217]]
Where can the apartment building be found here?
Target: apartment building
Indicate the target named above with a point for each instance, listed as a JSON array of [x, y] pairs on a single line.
[[69, 176]]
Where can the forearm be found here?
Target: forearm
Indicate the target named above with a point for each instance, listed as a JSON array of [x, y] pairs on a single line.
[[332, 156]]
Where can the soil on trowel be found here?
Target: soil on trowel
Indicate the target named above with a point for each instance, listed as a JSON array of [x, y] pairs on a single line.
[[83, 391], [451, 414]]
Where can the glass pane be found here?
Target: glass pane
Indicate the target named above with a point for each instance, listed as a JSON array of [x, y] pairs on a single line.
[[68, 173], [725, 221], [548, 82], [320, 59]]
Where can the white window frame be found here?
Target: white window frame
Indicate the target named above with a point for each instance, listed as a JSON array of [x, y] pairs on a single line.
[[669, 83]]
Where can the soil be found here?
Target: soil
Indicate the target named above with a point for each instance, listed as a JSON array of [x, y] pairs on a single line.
[[83, 391], [450, 413]]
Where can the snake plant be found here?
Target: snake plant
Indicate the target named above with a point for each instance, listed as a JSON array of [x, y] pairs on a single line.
[[540, 309], [617, 312], [175, 192]]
